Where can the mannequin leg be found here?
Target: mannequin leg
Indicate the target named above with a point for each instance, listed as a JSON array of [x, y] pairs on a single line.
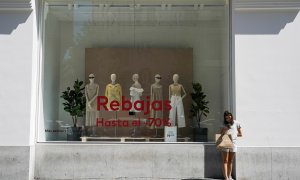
[[172, 115], [180, 113]]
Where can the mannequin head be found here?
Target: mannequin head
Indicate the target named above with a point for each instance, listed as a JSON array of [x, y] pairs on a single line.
[[135, 77], [175, 78], [113, 78], [157, 78], [91, 78]]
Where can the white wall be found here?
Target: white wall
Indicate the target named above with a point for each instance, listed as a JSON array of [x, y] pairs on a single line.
[[15, 77], [267, 69]]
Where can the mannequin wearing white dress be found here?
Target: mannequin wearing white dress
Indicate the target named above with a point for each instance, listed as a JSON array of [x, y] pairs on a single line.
[[136, 91]]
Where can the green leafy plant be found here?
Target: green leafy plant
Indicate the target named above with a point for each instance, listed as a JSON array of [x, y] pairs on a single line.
[[74, 101], [199, 105]]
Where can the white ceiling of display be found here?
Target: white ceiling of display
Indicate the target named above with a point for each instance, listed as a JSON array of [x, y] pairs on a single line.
[[212, 2], [139, 12]]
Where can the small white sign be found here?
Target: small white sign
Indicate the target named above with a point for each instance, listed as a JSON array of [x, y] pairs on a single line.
[[170, 134]]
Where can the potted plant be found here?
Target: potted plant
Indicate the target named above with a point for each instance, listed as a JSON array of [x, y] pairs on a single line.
[[75, 105], [199, 110]]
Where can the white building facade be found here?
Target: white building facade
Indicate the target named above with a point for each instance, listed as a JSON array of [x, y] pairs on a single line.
[[248, 62]]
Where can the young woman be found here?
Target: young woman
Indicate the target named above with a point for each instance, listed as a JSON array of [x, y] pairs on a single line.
[[233, 128]]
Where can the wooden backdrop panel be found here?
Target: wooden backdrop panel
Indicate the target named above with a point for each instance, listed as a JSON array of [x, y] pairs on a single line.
[[124, 62]]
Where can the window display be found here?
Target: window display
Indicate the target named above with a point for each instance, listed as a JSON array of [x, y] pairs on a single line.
[[136, 103], [138, 62]]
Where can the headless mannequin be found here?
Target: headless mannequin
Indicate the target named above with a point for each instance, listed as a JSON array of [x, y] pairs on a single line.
[[176, 94], [91, 93]]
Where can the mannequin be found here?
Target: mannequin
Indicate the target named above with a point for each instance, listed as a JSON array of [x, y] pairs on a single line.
[[91, 93], [136, 91], [156, 95], [113, 91], [176, 94]]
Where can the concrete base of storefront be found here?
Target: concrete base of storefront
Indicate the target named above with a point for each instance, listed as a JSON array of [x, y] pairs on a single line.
[[268, 163], [14, 162], [144, 162], [127, 161]]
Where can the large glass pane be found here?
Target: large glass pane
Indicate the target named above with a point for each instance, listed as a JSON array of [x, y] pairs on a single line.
[[129, 51]]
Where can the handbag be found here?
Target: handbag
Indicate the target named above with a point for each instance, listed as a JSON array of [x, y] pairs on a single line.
[[223, 141]]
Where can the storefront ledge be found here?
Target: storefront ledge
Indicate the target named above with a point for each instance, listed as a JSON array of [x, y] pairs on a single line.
[[118, 143], [268, 162], [14, 162], [127, 161]]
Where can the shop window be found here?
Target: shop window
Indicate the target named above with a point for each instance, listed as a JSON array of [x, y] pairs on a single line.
[[133, 63]]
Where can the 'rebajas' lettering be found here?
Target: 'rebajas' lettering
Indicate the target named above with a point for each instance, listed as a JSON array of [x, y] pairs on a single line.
[[126, 105]]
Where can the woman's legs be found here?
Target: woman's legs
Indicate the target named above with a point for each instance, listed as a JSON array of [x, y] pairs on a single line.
[[229, 164], [225, 157]]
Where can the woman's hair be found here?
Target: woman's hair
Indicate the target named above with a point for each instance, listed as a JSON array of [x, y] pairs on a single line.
[[226, 123]]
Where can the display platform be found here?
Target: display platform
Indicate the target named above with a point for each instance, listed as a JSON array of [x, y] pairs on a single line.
[[130, 139]]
